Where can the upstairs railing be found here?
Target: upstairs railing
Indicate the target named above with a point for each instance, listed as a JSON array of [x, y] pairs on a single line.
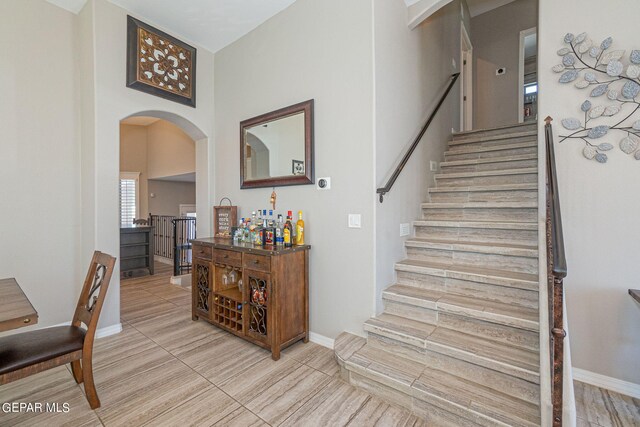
[[392, 179], [556, 272], [171, 236]]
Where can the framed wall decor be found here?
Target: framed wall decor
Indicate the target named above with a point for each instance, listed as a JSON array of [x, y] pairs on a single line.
[[160, 64]]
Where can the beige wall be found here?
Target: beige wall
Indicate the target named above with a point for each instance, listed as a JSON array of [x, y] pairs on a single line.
[[40, 157], [600, 203], [322, 50], [496, 43], [171, 151], [169, 195], [412, 68], [133, 158]]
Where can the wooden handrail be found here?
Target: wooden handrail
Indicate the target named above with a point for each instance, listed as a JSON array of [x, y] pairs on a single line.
[[384, 190], [557, 271]]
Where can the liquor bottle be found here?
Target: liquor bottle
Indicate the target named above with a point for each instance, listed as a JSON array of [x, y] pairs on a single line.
[[271, 221], [300, 230], [280, 231], [258, 233], [237, 235], [259, 217], [288, 232], [245, 236]]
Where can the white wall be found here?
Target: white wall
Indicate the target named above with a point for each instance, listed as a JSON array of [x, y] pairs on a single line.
[[113, 101], [40, 157], [600, 203], [496, 43], [322, 50], [412, 69]]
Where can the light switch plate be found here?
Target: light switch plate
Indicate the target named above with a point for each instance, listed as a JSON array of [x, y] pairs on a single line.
[[433, 166], [355, 221], [405, 229]]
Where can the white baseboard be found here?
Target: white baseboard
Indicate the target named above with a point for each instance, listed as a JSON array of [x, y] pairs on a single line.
[[109, 330], [613, 384], [321, 340], [100, 333]]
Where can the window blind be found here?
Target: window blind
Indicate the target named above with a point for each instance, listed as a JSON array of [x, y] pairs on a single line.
[[128, 199]]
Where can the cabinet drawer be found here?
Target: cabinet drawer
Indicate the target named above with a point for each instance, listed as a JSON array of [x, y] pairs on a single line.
[[257, 262], [227, 257], [202, 252]]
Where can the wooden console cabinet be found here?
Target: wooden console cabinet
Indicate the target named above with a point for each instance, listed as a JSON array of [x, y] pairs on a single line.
[[258, 293]]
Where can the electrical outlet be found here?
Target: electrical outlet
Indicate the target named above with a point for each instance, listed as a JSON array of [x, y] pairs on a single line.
[[404, 229], [433, 166], [454, 65], [355, 221]]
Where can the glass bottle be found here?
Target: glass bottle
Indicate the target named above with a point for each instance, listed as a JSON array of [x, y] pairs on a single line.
[[300, 230]]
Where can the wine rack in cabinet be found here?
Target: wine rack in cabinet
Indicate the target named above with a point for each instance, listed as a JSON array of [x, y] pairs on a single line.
[[258, 293]]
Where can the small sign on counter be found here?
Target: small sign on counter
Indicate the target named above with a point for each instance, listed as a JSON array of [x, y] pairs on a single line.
[[224, 218]]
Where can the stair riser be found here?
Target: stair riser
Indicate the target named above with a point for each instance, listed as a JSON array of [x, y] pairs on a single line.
[[470, 153], [386, 393], [412, 312], [496, 132], [498, 381], [484, 196], [436, 416], [521, 178], [505, 262], [480, 328], [396, 347], [525, 237], [514, 164], [489, 141], [466, 411], [508, 295], [481, 214]]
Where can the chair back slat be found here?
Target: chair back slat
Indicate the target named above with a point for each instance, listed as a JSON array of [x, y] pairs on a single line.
[[93, 292]]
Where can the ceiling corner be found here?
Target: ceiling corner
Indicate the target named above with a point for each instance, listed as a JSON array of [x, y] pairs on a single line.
[[73, 6]]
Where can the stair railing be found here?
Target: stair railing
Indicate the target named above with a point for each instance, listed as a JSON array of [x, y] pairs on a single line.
[[556, 272], [392, 179]]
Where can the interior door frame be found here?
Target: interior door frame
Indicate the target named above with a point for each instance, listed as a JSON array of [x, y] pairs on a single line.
[[466, 82], [523, 35]]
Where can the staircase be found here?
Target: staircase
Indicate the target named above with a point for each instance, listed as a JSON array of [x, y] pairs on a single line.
[[458, 342]]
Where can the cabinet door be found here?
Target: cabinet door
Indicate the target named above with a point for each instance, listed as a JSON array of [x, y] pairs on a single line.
[[201, 283], [258, 316]]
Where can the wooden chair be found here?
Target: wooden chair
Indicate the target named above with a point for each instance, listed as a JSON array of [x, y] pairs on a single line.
[[31, 352]]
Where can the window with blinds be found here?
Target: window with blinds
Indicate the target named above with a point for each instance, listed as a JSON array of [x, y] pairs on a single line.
[[128, 198]]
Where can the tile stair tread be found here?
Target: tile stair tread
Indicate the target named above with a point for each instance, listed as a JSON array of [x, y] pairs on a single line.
[[478, 131], [517, 171], [479, 205], [490, 311], [420, 331], [505, 225], [479, 274], [477, 398], [375, 363], [471, 139], [522, 358], [471, 162], [482, 247], [497, 187], [439, 300], [485, 149], [346, 344]]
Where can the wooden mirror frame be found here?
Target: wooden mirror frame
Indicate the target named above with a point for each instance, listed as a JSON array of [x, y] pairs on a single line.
[[308, 177]]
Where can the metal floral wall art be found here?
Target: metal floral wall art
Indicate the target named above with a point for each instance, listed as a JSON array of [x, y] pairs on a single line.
[[611, 79]]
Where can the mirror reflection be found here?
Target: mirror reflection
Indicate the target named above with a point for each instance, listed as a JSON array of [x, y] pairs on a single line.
[[275, 148]]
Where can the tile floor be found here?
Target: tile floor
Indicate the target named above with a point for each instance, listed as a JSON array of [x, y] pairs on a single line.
[[166, 370]]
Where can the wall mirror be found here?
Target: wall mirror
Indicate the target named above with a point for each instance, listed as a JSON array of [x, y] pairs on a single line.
[[276, 148]]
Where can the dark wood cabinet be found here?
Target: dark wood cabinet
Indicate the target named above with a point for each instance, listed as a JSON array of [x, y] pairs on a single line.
[[136, 250], [258, 293]]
